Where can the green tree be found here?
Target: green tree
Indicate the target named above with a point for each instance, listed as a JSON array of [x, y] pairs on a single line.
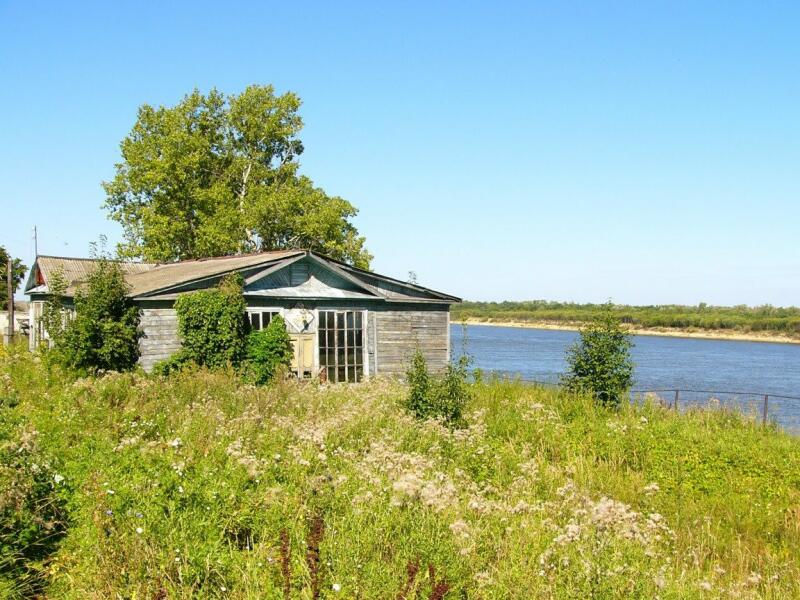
[[18, 271], [103, 334], [216, 175], [600, 361]]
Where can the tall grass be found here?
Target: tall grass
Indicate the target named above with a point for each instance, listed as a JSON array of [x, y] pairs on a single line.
[[197, 486]]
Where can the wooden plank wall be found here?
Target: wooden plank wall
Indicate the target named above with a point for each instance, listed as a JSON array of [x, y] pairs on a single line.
[[400, 333], [160, 336]]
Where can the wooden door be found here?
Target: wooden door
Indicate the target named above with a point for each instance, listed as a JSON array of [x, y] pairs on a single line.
[[303, 359]]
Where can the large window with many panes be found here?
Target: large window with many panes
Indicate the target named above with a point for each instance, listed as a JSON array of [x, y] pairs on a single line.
[[341, 345]]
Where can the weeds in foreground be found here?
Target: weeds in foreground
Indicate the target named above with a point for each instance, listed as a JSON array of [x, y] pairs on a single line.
[[198, 486]]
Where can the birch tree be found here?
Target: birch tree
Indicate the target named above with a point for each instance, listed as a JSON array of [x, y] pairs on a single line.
[[216, 175]]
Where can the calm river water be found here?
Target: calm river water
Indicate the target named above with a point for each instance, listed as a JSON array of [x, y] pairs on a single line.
[[756, 368]]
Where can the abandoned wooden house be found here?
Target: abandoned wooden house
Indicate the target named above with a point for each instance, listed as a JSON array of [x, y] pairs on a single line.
[[345, 323]]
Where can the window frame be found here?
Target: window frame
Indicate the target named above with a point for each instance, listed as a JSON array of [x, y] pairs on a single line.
[[260, 310], [359, 364]]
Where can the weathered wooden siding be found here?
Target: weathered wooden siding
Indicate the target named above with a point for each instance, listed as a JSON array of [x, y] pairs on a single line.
[[160, 336], [400, 333]]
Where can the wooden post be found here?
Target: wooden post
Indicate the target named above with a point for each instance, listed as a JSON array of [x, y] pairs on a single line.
[[766, 408], [10, 300], [677, 398]]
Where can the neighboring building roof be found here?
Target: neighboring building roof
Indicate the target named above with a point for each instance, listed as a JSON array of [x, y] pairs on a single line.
[[164, 281], [74, 270]]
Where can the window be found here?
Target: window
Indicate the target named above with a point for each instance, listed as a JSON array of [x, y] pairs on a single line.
[[261, 318], [341, 345]]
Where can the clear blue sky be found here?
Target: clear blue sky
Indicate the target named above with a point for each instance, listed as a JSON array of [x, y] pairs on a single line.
[[645, 152]]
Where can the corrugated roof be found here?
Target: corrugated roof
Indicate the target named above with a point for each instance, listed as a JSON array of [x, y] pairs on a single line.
[[76, 270]]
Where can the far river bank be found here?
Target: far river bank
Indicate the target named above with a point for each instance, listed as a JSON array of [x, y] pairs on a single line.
[[713, 334]]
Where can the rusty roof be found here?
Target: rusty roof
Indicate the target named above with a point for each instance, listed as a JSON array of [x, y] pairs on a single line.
[[74, 270]]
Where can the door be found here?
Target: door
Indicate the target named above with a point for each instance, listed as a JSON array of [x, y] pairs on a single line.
[[303, 359]]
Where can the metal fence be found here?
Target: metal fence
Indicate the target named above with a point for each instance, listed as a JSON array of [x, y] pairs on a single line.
[[766, 407]]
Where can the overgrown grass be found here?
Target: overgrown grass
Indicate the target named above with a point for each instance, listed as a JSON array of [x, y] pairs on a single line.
[[198, 486]]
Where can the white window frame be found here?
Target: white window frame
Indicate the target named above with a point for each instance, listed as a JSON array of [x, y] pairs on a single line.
[[261, 309], [365, 336]]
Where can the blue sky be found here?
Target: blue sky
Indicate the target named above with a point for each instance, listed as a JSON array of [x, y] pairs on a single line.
[[643, 152]]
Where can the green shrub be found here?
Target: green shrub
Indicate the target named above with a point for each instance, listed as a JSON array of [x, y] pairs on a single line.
[[173, 364], [268, 351], [437, 396], [103, 335], [212, 324], [600, 362]]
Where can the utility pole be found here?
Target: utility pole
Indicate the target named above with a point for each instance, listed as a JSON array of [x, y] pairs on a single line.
[[10, 301], [35, 243]]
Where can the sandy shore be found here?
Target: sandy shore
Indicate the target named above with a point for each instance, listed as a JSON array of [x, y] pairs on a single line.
[[716, 334]]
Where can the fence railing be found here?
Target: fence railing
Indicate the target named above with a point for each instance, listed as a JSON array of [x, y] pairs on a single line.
[[675, 394], [675, 398]]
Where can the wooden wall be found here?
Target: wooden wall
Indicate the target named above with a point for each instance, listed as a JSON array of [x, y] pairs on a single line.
[[400, 333], [392, 337], [160, 336]]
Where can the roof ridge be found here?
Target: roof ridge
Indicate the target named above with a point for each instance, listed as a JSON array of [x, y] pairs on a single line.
[[87, 259]]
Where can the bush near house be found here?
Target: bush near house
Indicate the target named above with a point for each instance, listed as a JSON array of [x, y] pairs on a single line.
[[268, 352], [437, 396], [103, 334], [212, 325]]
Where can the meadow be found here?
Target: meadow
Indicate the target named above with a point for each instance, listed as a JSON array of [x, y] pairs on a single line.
[[198, 486], [703, 317]]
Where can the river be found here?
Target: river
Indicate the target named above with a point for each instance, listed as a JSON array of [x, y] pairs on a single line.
[[749, 369]]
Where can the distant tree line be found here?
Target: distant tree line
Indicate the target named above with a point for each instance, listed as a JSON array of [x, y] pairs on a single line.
[[743, 318]]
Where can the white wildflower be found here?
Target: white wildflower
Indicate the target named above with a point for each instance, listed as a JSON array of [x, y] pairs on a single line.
[[651, 488]]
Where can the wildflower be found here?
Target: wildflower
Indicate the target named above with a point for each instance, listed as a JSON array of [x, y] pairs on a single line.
[[336, 587], [705, 586], [139, 530], [460, 529], [176, 443], [58, 478], [651, 488], [110, 492]]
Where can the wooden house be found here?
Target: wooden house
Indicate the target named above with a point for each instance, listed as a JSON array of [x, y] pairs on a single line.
[[345, 323]]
